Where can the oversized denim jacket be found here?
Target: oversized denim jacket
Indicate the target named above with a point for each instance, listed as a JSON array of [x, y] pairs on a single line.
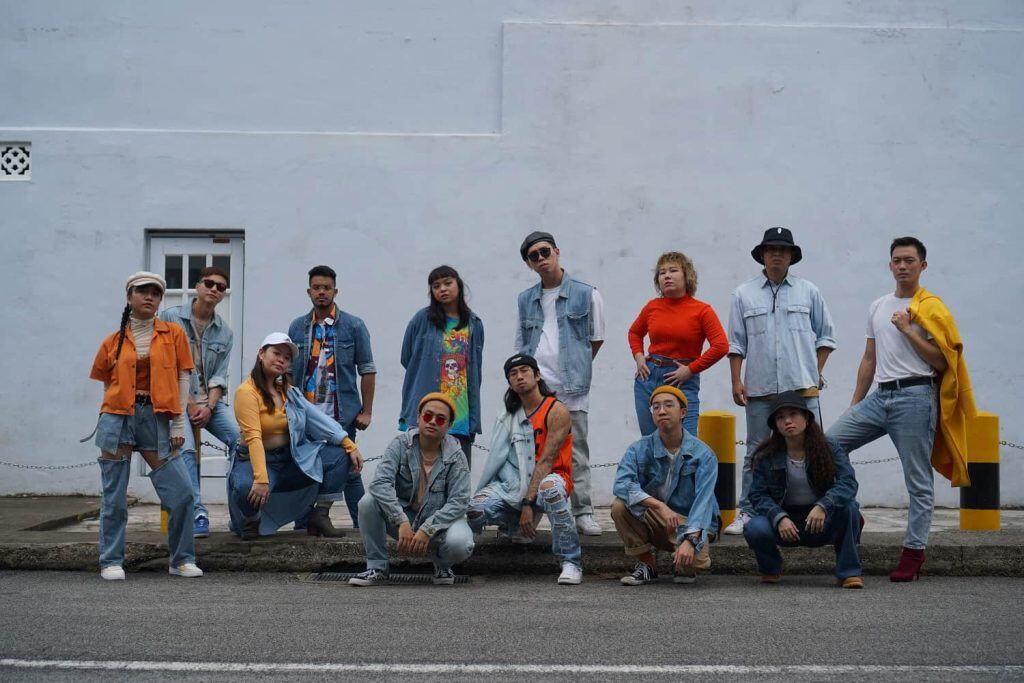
[[397, 480], [216, 347], [575, 328], [352, 354], [421, 358], [512, 438], [691, 482], [768, 487]]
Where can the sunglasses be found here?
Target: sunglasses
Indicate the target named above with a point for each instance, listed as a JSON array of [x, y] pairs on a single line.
[[540, 253], [213, 284], [437, 418]]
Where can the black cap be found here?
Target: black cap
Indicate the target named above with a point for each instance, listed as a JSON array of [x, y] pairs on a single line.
[[520, 359], [788, 399], [777, 237], [533, 238]]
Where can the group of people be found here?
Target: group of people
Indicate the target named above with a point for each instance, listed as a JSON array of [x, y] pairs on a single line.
[[292, 449]]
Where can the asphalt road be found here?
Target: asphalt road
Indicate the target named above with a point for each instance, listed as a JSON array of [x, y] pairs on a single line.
[[242, 626]]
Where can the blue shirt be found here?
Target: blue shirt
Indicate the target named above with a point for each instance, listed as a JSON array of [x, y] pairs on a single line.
[[779, 330]]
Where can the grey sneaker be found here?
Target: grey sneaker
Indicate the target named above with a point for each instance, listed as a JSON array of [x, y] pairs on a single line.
[[371, 577], [443, 577], [642, 573]]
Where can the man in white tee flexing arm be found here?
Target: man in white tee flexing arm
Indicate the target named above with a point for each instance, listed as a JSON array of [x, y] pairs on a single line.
[[560, 323], [913, 348]]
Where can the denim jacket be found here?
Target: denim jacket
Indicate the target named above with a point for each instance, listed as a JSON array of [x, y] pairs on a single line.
[[397, 480], [421, 358], [575, 327], [779, 335], [768, 487], [216, 347], [512, 439], [691, 482], [351, 355]]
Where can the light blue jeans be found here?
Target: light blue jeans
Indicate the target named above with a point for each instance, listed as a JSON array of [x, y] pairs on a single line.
[[908, 416], [642, 399], [448, 547], [487, 507], [757, 412], [222, 425]]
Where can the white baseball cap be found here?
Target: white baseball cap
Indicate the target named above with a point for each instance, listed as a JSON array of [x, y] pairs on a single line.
[[275, 338]]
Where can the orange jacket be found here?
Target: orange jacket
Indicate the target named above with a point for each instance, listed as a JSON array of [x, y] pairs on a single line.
[[169, 356]]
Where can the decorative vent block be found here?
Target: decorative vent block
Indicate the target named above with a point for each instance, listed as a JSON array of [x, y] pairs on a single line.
[[15, 160]]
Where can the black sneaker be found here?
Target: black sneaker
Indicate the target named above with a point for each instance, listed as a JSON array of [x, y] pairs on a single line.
[[642, 573], [371, 577], [443, 577]]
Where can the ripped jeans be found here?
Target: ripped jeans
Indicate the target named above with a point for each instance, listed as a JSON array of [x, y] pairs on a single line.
[[488, 507]]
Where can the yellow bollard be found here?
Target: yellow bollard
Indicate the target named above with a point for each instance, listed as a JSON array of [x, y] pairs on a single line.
[[717, 428], [163, 519], [979, 502]]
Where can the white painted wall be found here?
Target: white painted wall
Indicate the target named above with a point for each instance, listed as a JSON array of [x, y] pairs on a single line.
[[386, 138]]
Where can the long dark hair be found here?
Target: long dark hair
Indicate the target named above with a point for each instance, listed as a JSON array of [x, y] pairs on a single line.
[[435, 311], [821, 463], [259, 378], [514, 403]]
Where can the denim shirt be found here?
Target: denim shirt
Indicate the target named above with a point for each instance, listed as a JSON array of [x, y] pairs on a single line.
[[575, 327], [644, 469], [768, 486], [421, 358], [779, 336], [351, 355], [397, 481], [216, 347], [511, 440]]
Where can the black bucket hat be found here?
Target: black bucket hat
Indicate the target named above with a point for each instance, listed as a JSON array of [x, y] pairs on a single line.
[[788, 399], [777, 237]]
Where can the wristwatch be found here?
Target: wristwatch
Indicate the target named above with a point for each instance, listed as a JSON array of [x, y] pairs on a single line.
[[526, 502]]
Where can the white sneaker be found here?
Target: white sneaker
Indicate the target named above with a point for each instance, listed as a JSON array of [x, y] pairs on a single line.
[[571, 575], [736, 528], [188, 570], [113, 573], [588, 526]]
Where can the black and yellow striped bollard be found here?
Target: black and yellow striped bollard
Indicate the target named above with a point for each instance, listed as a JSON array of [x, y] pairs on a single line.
[[979, 502], [717, 428]]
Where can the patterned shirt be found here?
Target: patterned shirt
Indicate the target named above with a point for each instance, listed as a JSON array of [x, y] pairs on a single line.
[[454, 374]]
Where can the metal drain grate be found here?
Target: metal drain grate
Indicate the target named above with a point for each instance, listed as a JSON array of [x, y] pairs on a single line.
[[393, 579]]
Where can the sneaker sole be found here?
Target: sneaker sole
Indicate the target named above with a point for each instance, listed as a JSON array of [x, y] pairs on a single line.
[[112, 578], [363, 583], [684, 579], [189, 575], [636, 583], [569, 582]]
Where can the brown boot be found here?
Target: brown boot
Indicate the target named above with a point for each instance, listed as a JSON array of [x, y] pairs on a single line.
[[319, 523]]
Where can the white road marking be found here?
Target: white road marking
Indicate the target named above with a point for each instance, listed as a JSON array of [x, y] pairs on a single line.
[[429, 668]]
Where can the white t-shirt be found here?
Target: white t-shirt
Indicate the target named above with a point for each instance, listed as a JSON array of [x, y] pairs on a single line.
[[895, 358], [663, 489], [546, 354]]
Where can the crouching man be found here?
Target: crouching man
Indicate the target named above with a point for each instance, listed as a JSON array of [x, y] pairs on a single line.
[[529, 470], [665, 495], [419, 496]]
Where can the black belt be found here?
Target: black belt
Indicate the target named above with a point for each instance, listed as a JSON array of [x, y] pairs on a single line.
[[143, 400], [666, 362], [904, 383]]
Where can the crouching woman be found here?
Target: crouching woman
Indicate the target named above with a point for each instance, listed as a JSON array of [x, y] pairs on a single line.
[[802, 493], [293, 455]]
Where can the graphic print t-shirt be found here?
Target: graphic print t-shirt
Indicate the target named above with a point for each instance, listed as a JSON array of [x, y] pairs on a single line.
[[454, 374]]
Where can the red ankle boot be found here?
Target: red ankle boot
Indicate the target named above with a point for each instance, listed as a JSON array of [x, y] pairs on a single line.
[[909, 567]]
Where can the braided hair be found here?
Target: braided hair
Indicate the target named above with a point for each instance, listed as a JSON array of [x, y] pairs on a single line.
[[125, 314]]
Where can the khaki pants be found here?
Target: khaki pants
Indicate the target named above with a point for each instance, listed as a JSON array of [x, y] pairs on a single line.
[[649, 533]]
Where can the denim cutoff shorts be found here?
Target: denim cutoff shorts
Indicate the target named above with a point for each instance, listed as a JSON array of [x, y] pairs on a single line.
[[143, 431]]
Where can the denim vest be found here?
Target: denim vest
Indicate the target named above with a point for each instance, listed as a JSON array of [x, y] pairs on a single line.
[[644, 469], [397, 480], [770, 479], [351, 355], [215, 346], [421, 358], [575, 327]]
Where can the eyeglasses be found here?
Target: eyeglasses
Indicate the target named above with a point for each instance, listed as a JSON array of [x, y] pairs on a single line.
[[540, 253], [437, 418], [656, 407], [213, 284]]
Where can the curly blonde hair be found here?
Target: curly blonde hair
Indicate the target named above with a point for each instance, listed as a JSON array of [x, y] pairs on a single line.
[[684, 262]]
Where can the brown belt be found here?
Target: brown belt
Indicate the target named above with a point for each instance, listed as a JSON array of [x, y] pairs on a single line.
[[666, 362]]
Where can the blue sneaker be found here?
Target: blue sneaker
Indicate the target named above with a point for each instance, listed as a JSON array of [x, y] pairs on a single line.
[[201, 527]]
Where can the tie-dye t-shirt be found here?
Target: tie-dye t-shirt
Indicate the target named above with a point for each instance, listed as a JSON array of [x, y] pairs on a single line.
[[454, 376]]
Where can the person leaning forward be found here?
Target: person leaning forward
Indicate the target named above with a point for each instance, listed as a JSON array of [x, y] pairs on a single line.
[[665, 495]]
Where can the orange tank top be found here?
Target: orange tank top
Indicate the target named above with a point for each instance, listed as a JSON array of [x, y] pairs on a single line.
[[563, 460]]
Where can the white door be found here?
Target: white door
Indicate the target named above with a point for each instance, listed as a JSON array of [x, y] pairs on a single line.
[[179, 259]]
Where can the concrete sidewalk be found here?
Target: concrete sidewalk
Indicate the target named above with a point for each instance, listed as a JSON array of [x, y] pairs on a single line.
[[60, 533]]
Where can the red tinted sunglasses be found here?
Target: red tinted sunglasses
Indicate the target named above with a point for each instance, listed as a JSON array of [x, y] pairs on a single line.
[[437, 418]]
